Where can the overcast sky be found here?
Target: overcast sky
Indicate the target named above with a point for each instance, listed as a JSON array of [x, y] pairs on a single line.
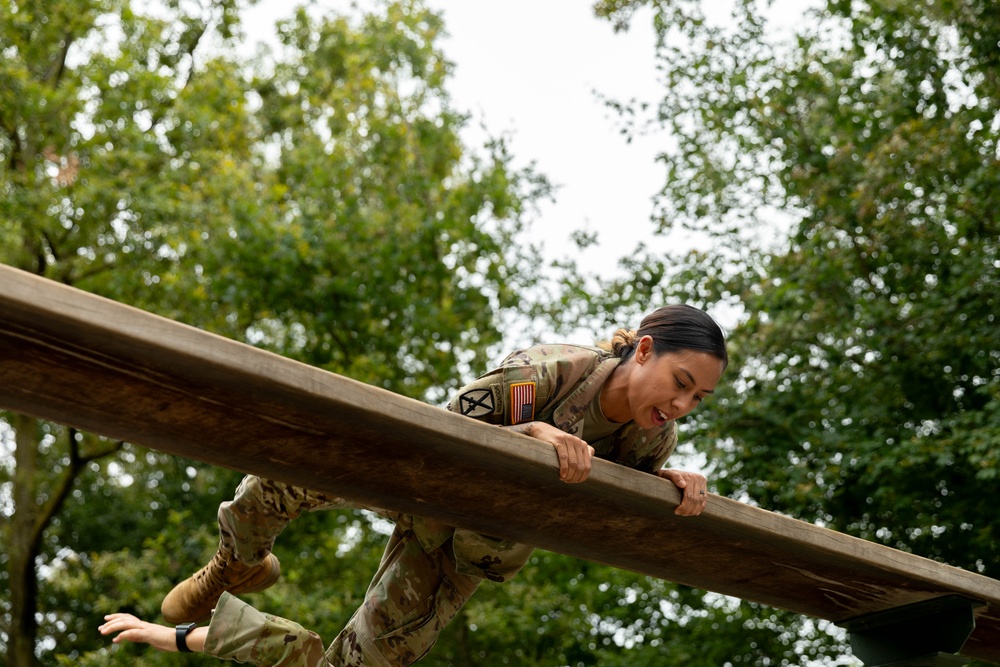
[[530, 69]]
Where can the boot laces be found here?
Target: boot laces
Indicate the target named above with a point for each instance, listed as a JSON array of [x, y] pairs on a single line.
[[217, 575]]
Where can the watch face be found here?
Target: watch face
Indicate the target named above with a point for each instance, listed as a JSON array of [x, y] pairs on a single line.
[[182, 633]]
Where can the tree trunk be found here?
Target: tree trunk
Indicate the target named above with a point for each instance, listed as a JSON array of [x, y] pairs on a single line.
[[23, 547]]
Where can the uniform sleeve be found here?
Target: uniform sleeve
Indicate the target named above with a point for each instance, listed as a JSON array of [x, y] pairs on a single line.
[[524, 387], [481, 399], [241, 633], [662, 450]]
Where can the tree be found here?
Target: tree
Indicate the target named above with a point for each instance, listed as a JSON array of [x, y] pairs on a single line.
[[319, 203], [866, 347]]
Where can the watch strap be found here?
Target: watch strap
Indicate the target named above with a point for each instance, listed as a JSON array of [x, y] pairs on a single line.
[[182, 633]]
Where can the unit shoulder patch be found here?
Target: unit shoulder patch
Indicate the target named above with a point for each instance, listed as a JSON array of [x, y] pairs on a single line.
[[476, 403]]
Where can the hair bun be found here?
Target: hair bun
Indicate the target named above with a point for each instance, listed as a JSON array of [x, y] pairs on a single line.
[[623, 341]]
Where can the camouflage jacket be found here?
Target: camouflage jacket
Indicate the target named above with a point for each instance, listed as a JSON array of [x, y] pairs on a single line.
[[553, 384], [241, 633], [561, 381]]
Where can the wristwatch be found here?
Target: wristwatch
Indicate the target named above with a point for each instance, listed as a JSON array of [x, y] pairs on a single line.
[[182, 633]]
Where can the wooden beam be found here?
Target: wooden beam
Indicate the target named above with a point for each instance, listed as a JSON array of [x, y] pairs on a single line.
[[101, 366]]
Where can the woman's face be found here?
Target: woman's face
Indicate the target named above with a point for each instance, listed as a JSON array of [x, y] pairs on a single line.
[[668, 386]]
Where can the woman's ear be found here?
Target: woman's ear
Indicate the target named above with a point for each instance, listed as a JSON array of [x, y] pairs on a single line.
[[644, 349]]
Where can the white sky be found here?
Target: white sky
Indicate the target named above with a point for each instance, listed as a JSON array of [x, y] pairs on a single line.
[[529, 69]]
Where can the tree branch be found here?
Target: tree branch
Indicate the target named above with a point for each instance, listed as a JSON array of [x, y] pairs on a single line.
[[58, 67], [77, 462], [192, 46]]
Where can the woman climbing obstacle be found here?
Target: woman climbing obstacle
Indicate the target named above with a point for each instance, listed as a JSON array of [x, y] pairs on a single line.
[[618, 404]]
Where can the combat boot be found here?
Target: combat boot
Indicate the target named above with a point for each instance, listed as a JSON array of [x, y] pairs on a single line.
[[193, 600]]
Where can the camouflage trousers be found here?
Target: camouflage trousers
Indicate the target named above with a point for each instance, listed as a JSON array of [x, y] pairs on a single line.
[[413, 596]]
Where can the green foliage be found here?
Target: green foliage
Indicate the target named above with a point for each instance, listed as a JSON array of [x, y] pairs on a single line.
[[318, 202], [563, 611], [396, 249], [85, 588], [321, 204], [864, 389]]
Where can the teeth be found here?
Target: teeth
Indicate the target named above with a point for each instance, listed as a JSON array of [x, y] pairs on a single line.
[[662, 416]]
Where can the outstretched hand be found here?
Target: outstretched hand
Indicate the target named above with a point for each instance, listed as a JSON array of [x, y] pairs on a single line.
[[693, 487], [162, 637]]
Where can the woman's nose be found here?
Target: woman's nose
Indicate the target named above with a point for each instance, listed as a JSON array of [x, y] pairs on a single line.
[[683, 404]]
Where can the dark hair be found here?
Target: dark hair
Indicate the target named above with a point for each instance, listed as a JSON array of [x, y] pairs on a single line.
[[674, 328]]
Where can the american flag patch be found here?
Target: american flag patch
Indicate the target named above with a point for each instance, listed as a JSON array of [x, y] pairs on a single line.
[[522, 402]]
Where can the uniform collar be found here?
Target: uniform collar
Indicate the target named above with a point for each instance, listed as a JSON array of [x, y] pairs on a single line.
[[571, 411]]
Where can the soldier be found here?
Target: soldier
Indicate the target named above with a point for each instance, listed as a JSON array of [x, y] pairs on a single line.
[[623, 399]]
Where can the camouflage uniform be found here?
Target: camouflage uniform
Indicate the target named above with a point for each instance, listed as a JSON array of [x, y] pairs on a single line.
[[429, 570]]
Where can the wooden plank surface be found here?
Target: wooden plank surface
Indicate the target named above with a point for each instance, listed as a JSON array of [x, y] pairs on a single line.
[[81, 360]]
